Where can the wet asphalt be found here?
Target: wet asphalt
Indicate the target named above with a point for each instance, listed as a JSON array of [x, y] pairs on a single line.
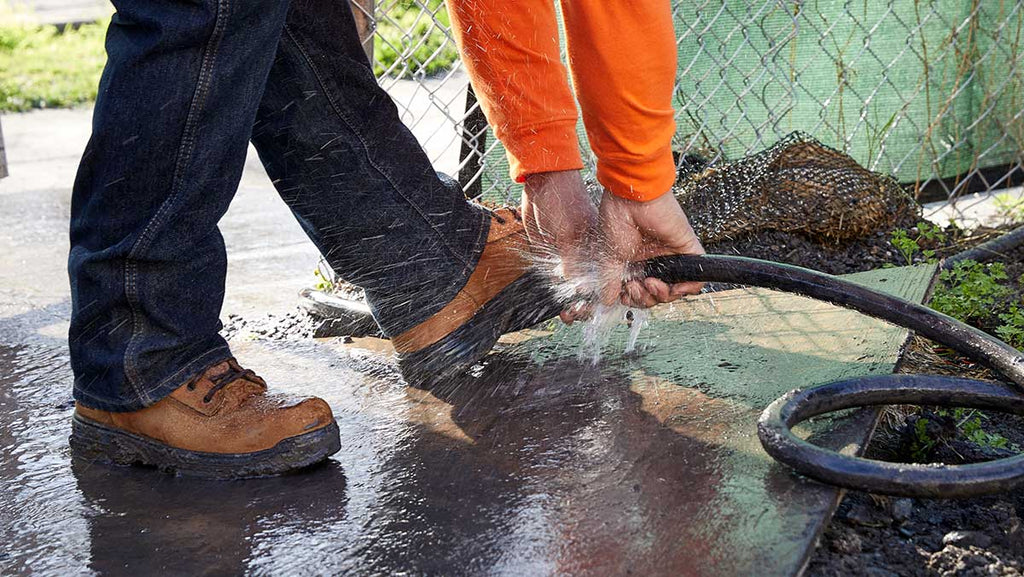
[[537, 463]]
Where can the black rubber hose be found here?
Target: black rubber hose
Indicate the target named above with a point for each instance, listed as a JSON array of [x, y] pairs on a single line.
[[992, 249], [774, 427]]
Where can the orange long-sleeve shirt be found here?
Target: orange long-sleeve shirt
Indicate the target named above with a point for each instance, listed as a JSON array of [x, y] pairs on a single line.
[[623, 61]]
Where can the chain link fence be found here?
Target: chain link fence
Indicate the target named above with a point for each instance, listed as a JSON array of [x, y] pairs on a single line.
[[930, 92]]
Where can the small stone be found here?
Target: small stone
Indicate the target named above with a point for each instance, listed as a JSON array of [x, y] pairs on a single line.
[[974, 560], [966, 539], [901, 509], [906, 532]]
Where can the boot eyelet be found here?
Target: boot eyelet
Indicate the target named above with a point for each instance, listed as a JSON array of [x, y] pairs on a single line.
[[190, 387]]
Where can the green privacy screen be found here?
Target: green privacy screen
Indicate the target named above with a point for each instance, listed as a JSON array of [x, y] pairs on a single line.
[[920, 90]]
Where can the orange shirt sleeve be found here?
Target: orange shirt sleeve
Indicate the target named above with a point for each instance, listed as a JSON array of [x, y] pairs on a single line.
[[510, 49], [623, 60]]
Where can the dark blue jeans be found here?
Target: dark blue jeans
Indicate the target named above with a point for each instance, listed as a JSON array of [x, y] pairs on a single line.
[[187, 84]]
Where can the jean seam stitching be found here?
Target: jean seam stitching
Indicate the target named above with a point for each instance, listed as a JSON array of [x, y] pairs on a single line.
[[184, 156], [344, 118]]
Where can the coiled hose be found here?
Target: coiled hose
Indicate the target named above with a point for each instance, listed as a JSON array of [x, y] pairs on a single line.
[[776, 422]]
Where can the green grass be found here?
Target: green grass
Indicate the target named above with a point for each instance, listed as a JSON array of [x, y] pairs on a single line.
[[1009, 207], [972, 292], [43, 68], [409, 43]]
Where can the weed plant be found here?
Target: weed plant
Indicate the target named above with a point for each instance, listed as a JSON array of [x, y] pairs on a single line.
[[41, 67]]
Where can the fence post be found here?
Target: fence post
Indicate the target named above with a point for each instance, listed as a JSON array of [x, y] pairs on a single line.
[[474, 144]]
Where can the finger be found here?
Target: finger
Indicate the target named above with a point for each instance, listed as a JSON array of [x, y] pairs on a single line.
[[583, 311], [582, 316], [611, 294], [659, 290], [632, 295], [638, 295], [686, 288]]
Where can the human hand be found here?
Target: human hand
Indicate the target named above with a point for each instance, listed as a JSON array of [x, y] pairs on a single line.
[[560, 217], [633, 231]]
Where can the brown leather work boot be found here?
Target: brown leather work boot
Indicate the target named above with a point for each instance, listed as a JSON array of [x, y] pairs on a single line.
[[505, 293], [220, 424]]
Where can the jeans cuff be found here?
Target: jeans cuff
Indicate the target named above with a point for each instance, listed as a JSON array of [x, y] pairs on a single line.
[[167, 382]]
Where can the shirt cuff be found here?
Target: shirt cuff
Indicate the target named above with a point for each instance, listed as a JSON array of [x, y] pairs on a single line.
[[641, 180], [549, 147]]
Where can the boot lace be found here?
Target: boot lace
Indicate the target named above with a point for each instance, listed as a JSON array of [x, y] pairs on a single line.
[[503, 220], [234, 373]]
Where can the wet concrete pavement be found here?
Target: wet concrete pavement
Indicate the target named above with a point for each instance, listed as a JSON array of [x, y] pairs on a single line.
[[538, 463]]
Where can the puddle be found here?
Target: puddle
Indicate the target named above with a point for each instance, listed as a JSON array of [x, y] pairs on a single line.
[[557, 468], [537, 462]]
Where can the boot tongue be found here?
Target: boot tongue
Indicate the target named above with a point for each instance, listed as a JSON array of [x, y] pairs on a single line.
[[229, 384]]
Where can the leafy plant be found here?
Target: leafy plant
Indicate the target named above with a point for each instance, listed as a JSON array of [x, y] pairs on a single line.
[[906, 246], [930, 232], [969, 426], [922, 443], [970, 290], [909, 247], [1012, 329], [323, 282], [1009, 207], [41, 67]]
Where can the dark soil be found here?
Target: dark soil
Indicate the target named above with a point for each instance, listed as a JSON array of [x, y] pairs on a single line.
[[868, 253], [1014, 261], [793, 248], [888, 537]]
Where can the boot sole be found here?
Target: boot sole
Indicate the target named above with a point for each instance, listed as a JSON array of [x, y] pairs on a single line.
[[98, 443], [520, 305]]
